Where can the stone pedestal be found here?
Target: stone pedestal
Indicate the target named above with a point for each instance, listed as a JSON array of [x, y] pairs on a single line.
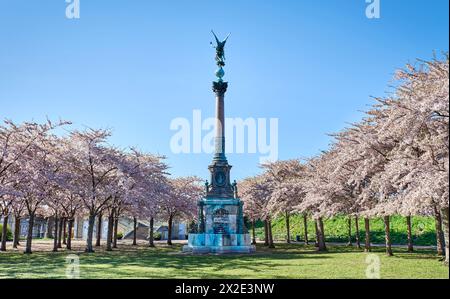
[[221, 228]]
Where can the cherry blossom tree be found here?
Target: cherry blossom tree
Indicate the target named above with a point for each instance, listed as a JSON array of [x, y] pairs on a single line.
[[256, 193], [150, 184], [287, 191], [95, 168], [180, 200], [417, 116], [18, 142], [251, 209], [41, 181]]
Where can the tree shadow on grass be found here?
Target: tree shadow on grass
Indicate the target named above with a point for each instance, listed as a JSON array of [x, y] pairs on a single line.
[[37, 265], [169, 262], [402, 253], [182, 261], [418, 254], [207, 267]]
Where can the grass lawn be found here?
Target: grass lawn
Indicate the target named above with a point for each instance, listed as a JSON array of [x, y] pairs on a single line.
[[286, 261]]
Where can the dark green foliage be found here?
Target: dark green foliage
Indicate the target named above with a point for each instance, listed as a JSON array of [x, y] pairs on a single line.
[[336, 229], [157, 236], [8, 234], [193, 229]]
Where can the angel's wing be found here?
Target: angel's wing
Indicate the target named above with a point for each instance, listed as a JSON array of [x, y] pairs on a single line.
[[225, 40], [217, 39]]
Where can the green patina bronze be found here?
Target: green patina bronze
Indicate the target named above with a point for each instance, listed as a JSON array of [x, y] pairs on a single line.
[[220, 226], [220, 50]]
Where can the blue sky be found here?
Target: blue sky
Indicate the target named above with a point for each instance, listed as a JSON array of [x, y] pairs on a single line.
[[135, 65]]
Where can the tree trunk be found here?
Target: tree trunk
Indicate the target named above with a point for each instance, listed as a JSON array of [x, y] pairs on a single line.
[[305, 226], [253, 232], [134, 230], [55, 233], [48, 231], [169, 237], [151, 236], [60, 235], [65, 231], [29, 233], [99, 230], [4, 233], [271, 243], [410, 240], [116, 228], [358, 240], [16, 232], [321, 236], [387, 230], [367, 247], [444, 215], [349, 227], [69, 234], [90, 235], [110, 231], [266, 233], [439, 233], [316, 244], [288, 228]]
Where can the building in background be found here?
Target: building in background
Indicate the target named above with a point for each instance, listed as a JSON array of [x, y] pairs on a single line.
[[40, 227], [44, 228], [126, 224]]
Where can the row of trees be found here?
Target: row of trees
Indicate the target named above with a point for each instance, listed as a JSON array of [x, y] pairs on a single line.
[[395, 161], [80, 175]]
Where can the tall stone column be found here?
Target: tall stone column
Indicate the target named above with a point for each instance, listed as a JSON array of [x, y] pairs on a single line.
[[219, 89], [220, 169]]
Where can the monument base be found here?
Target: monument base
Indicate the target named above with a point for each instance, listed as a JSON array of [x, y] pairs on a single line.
[[219, 243], [218, 250]]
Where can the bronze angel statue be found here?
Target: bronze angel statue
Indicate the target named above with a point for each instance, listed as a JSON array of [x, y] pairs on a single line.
[[220, 49]]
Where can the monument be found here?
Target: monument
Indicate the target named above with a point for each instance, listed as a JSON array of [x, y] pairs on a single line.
[[221, 227]]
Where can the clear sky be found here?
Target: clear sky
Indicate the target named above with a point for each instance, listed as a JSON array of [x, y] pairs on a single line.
[[135, 65]]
